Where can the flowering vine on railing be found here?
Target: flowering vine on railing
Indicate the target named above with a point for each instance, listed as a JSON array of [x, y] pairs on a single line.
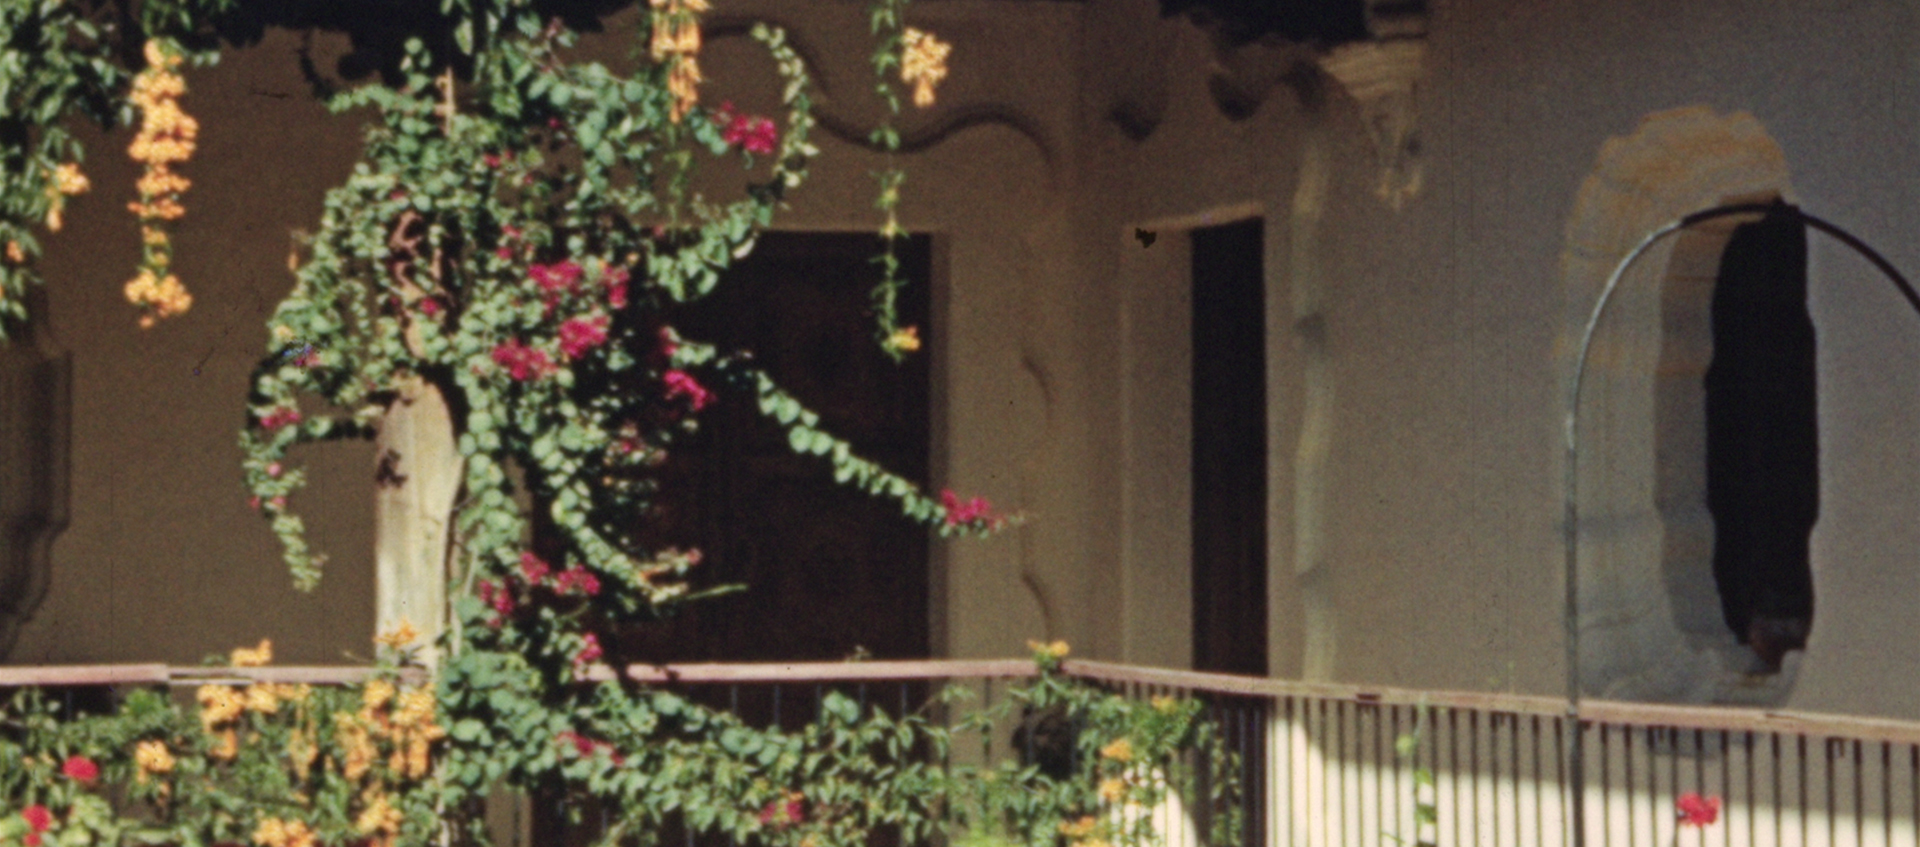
[[517, 236]]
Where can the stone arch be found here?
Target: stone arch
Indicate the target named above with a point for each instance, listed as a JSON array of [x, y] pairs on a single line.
[[1650, 612]]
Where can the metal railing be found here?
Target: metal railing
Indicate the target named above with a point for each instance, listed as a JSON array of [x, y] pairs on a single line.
[[1322, 765]]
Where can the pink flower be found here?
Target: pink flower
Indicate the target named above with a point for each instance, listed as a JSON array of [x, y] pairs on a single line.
[[279, 418], [958, 513], [616, 279], [754, 134], [503, 254], [555, 278], [576, 580], [533, 568], [578, 335], [783, 813], [278, 503], [431, 307], [668, 346], [496, 596], [681, 383], [509, 232], [589, 653], [1696, 810], [580, 743], [273, 469], [522, 362], [254, 503], [39, 818], [492, 160], [81, 768]]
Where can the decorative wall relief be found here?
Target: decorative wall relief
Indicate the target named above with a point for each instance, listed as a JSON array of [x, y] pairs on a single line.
[[1382, 77], [35, 414]]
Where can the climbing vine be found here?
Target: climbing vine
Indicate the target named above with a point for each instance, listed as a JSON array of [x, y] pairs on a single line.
[[517, 235]]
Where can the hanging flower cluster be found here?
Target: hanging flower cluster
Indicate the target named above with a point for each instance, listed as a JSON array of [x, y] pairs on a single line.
[[975, 513], [676, 41], [923, 63], [66, 181], [166, 138]]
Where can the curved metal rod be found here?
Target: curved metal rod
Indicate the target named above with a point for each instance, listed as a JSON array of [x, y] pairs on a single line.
[[1570, 524]]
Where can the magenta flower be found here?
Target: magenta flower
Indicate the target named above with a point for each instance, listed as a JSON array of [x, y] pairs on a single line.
[[1696, 810], [681, 383], [279, 418], [616, 279], [589, 653], [533, 568], [555, 278], [976, 509], [578, 335], [81, 769], [522, 362], [576, 580]]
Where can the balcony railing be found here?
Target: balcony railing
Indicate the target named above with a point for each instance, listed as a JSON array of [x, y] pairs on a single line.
[[1322, 765]]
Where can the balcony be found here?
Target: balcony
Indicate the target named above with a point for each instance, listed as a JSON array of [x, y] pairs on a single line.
[[1321, 765]]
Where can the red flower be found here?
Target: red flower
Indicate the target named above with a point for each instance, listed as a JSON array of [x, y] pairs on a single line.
[[617, 288], [31, 839], [681, 383], [81, 768], [668, 344], [492, 160], [589, 653], [497, 596], [783, 813], [556, 277], [1696, 810], [39, 818], [576, 579], [254, 502], [578, 335], [504, 254], [754, 134], [965, 513], [280, 417], [522, 362], [431, 306], [533, 568], [278, 502]]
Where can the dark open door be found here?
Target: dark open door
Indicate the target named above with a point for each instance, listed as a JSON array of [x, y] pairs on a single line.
[[828, 570]]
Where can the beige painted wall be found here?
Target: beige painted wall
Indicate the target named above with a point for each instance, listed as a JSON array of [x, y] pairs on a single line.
[[1414, 417]]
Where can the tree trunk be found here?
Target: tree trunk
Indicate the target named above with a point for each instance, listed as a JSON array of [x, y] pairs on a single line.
[[418, 475]]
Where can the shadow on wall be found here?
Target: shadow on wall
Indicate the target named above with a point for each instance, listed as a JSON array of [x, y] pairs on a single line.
[[35, 408]]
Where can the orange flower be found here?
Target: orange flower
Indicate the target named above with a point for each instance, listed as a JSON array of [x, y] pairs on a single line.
[[923, 63]]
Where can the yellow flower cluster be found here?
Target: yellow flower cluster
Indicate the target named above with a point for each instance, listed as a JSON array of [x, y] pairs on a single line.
[[923, 63], [66, 181], [1077, 829], [1057, 649], [905, 339], [151, 757], [1121, 750], [402, 633], [167, 137], [379, 817], [254, 658], [410, 727], [676, 39], [1112, 789], [274, 832]]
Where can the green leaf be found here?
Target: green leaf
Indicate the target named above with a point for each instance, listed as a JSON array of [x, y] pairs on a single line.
[[799, 438], [820, 443]]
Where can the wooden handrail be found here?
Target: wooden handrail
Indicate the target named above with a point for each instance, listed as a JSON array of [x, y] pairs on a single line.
[[1706, 718]]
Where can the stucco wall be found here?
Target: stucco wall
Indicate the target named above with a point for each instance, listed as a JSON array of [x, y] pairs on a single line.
[[1439, 554], [1416, 359]]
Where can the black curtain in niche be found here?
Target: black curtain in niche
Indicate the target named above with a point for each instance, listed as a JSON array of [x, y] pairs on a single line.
[[1763, 444], [1229, 451]]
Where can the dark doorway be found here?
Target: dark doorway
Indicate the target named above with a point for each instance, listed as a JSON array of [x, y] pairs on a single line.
[[1763, 446], [1229, 450], [828, 570]]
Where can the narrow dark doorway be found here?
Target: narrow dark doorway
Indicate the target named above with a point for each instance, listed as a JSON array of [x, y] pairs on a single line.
[[1229, 450], [1763, 445], [829, 571]]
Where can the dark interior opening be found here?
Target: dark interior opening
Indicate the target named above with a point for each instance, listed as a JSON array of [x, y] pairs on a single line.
[[1763, 446], [1229, 451]]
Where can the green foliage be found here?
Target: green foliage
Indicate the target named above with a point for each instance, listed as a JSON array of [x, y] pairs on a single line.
[[53, 66], [249, 765]]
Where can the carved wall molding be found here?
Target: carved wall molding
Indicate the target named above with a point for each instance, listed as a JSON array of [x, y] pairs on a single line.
[[948, 119]]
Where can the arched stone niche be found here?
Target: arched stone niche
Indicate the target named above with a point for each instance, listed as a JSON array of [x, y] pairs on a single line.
[[1650, 616]]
